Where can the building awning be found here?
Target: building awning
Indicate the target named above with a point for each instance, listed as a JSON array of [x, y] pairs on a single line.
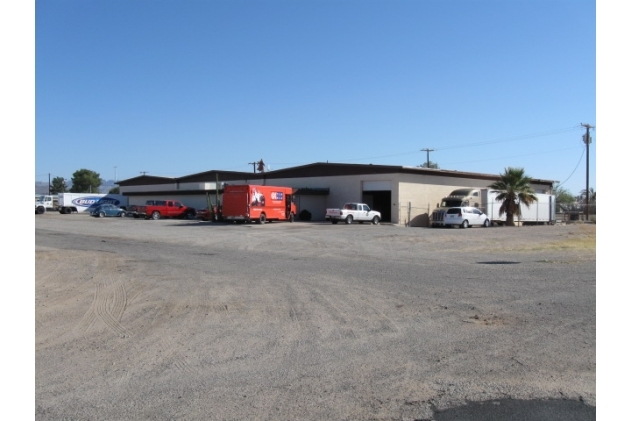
[[310, 191]]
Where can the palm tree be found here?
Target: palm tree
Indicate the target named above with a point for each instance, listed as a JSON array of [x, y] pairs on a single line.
[[513, 188]]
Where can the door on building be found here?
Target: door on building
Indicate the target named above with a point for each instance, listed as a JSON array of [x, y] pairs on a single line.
[[379, 201], [378, 195]]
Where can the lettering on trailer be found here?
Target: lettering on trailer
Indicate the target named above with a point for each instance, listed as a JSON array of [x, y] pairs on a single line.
[[277, 195], [93, 201], [109, 200]]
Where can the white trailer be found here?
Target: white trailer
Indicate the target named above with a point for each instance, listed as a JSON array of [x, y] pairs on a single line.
[[543, 211], [84, 202]]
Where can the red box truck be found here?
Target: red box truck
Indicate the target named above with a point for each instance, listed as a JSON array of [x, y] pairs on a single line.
[[248, 202]]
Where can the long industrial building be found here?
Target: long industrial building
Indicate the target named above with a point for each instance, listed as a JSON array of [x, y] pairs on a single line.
[[403, 195]]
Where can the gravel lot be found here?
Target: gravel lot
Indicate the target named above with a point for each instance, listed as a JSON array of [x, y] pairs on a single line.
[[190, 320]]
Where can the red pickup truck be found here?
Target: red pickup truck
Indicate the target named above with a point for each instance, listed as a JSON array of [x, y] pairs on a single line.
[[157, 209]]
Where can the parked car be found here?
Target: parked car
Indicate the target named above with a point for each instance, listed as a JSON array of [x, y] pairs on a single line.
[[207, 215], [107, 209], [203, 214], [466, 217]]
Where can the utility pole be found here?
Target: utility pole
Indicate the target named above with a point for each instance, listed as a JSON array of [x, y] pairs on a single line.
[[428, 151], [49, 184], [587, 140], [253, 166]]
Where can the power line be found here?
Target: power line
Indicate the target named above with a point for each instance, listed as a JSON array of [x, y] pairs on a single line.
[[573, 171], [514, 156], [511, 139], [464, 145]]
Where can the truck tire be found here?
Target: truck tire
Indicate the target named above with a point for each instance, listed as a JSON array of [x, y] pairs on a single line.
[[40, 210], [156, 215], [262, 219], [465, 224], [375, 220], [349, 219], [291, 217]]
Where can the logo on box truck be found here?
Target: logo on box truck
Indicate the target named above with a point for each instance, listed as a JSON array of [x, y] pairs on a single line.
[[91, 201], [277, 195], [109, 200]]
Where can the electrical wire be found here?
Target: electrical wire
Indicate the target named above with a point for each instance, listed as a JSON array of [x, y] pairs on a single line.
[[511, 139], [570, 176], [466, 145]]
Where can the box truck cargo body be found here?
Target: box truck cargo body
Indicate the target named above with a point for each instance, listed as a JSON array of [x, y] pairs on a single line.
[[247, 202], [84, 202]]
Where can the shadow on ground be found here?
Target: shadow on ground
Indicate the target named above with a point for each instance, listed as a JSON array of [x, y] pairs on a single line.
[[519, 410]]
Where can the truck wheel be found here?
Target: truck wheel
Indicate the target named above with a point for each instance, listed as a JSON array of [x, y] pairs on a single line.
[[40, 210], [465, 224], [101, 214], [156, 215], [487, 223], [262, 219], [375, 220], [349, 219], [291, 217]]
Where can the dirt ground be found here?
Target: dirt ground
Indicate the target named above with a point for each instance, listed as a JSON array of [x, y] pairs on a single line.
[[190, 320]]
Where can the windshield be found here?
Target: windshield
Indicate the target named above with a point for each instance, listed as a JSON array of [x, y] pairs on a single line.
[[461, 192], [451, 203]]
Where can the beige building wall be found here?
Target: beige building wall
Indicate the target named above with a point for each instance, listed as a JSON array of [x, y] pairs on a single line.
[[341, 189], [413, 196]]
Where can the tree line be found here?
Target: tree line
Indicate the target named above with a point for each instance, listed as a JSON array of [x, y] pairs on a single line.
[[82, 181]]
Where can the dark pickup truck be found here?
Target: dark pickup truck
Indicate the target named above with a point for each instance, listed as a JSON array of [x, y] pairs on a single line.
[[157, 209]]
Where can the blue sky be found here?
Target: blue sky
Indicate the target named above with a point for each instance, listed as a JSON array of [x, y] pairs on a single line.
[[173, 88]]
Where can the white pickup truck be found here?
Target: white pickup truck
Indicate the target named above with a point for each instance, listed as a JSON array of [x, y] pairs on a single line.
[[353, 211]]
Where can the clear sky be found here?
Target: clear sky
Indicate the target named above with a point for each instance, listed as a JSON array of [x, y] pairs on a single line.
[[173, 88]]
